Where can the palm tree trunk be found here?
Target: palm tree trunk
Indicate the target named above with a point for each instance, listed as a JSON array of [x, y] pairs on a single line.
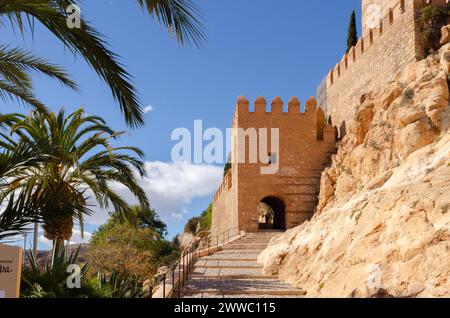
[[35, 239], [59, 243]]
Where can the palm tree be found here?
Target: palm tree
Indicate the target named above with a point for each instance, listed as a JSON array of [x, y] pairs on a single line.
[[179, 17], [83, 163], [19, 207], [15, 81]]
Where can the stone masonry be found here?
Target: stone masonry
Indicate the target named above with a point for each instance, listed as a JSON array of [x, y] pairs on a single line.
[[389, 42], [306, 144], [380, 53]]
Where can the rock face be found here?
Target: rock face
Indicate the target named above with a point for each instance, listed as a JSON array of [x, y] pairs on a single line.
[[382, 227]]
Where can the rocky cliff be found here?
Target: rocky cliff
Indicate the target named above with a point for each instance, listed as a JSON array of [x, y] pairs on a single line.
[[382, 226]]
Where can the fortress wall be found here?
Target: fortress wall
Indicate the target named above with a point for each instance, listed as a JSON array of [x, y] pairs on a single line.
[[224, 213], [375, 60], [301, 159]]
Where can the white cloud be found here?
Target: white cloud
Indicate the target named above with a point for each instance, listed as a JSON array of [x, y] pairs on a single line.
[[171, 187], [179, 215], [148, 109]]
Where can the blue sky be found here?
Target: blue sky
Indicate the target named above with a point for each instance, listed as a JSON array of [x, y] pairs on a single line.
[[254, 47]]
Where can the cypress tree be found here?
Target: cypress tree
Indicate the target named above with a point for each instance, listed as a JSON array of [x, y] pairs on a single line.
[[352, 36]]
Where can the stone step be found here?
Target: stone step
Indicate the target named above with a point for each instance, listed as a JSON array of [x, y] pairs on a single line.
[[238, 294], [241, 286], [238, 284], [221, 296], [214, 258], [231, 277], [245, 247], [228, 271], [238, 252], [243, 244], [256, 238], [234, 272], [226, 264]]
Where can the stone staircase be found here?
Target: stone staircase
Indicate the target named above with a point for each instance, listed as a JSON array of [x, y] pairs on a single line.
[[234, 273]]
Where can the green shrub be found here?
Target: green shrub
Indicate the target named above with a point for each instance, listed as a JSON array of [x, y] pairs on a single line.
[[119, 286], [200, 223], [352, 35], [192, 225], [50, 280], [431, 19], [206, 218]]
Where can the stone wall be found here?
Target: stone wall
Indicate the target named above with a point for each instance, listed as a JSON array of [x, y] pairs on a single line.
[[224, 215], [306, 145], [376, 59]]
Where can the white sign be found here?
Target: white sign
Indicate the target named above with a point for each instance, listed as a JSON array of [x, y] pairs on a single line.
[[10, 270]]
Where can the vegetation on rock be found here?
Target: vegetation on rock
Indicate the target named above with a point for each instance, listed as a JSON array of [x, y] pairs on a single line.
[[431, 19], [201, 223]]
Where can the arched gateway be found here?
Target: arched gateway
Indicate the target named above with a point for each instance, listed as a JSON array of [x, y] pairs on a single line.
[[272, 214], [284, 187]]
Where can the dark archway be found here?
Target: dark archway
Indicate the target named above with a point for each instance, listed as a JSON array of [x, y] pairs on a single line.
[[278, 220]]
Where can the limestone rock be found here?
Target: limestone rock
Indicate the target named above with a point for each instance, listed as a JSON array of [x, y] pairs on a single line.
[[444, 58], [408, 116], [445, 35], [326, 191], [383, 222], [391, 93], [415, 136], [363, 121]]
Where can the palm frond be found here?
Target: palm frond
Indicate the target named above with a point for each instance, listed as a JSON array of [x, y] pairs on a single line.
[[20, 94], [15, 62], [20, 211], [180, 17], [85, 41]]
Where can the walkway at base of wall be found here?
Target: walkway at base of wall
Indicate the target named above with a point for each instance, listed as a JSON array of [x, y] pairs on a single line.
[[234, 273]]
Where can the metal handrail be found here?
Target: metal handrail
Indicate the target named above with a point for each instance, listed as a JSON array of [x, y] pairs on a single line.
[[185, 264]]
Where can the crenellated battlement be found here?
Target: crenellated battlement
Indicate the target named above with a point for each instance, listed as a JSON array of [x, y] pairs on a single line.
[[370, 37], [381, 52], [258, 116], [276, 106], [225, 185], [278, 151]]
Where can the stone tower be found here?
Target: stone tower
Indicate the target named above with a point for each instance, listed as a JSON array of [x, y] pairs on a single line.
[[305, 147]]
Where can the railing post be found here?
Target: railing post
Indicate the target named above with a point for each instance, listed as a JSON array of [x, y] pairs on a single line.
[[179, 279], [173, 281], [182, 259], [164, 285], [187, 267]]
